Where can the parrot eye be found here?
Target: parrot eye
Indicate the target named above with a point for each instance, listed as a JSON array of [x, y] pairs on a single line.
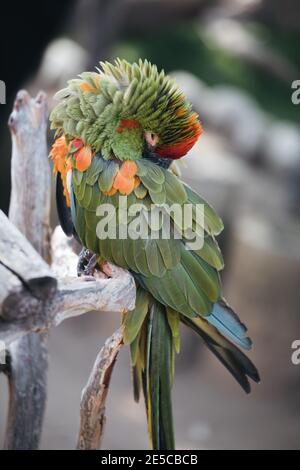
[[151, 138]]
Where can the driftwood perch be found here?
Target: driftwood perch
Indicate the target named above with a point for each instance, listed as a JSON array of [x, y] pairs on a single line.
[[29, 211], [36, 295], [92, 407]]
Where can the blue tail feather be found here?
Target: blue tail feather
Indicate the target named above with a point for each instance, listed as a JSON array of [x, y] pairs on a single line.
[[226, 321]]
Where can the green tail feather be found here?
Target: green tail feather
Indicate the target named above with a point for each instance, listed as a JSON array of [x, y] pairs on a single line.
[[152, 354], [153, 343]]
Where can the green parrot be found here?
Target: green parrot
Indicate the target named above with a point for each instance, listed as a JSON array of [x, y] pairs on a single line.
[[118, 132]]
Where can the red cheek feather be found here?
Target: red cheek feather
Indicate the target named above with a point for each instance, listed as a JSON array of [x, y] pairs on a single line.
[[178, 150]]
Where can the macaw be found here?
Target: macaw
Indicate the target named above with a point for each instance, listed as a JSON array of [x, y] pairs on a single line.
[[118, 132]]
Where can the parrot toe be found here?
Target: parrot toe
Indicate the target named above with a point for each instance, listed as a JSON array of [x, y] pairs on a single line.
[[86, 263]]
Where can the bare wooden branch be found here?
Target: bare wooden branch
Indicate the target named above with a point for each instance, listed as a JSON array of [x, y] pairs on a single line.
[[19, 257], [29, 211], [64, 258], [24, 309], [27, 399], [30, 171], [93, 399]]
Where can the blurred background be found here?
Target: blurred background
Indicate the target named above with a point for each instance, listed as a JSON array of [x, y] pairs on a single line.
[[236, 61]]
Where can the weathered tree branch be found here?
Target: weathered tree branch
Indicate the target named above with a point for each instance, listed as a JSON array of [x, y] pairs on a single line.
[[29, 208], [29, 212], [93, 399], [35, 303]]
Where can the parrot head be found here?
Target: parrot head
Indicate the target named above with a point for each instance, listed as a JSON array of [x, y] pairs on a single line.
[[124, 111]]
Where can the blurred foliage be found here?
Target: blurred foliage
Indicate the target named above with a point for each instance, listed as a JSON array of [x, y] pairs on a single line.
[[185, 47]]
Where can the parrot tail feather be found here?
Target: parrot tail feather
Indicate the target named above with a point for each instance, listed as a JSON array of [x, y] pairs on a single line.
[[228, 323], [152, 355], [235, 361]]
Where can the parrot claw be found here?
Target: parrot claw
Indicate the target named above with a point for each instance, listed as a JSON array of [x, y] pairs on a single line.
[[87, 263], [91, 266]]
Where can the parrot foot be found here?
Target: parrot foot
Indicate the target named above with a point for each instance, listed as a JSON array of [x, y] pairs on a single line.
[[87, 263]]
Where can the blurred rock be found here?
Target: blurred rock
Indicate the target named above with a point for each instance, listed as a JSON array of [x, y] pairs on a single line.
[[237, 114], [281, 147]]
